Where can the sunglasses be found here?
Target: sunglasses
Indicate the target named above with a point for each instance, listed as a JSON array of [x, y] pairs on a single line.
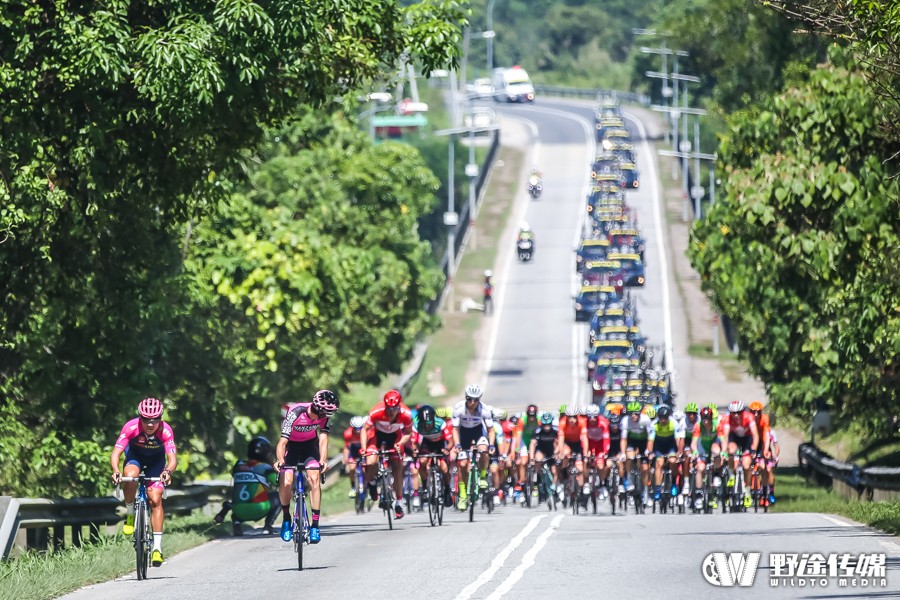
[[150, 421], [472, 400]]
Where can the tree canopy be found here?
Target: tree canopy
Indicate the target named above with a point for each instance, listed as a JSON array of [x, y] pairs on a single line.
[[122, 129], [801, 252]]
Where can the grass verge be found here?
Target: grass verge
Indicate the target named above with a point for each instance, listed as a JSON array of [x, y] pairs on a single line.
[[36, 576], [795, 494]]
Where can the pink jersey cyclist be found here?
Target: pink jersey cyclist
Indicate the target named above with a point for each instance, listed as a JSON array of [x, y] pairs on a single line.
[[146, 450], [301, 431]]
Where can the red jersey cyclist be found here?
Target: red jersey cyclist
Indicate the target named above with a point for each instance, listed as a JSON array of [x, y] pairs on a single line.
[[739, 430], [304, 441], [391, 421], [598, 446], [149, 447]]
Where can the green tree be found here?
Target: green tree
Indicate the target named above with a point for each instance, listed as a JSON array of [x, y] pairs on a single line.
[[801, 252], [120, 120]]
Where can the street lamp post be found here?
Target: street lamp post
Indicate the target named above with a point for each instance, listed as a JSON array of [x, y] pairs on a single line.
[[490, 38]]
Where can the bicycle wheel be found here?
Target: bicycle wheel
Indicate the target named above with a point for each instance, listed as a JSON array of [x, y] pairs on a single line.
[[388, 501], [299, 535], [432, 494], [473, 490], [360, 500], [142, 555]]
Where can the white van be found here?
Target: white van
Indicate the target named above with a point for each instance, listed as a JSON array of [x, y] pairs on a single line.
[[512, 85]]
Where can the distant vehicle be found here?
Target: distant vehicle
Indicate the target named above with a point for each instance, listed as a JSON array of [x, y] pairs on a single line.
[[482, 88], [512, 85], [481, 117]]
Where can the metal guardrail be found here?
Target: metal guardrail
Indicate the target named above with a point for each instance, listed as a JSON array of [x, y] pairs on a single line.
[[864, 480], [591, 93], [45, 521]]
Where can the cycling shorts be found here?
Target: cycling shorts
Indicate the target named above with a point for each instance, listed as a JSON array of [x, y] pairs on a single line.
[[303, 453], [469, 436], [151, 465], [744, 443], [575, 447], [664, 447], [353, 451], [639, 446], [595, 447], [429, 447], [546, 449], [382, 439]]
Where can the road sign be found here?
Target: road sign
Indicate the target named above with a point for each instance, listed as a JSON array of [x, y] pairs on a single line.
[[451, 219], [697, 192]]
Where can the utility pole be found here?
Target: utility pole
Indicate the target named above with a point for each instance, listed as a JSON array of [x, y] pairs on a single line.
[[490, 38]]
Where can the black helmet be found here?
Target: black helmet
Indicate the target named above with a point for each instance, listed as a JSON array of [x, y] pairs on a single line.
[[664, 412], [259, 449], [614, 420], [426, 416]]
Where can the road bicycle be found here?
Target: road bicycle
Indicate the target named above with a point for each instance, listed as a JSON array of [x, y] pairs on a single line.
[[573, 490], [474, 485], [434, 490], [143, 532], [384, 483], [301, 523], [546, 492], [758, 492]]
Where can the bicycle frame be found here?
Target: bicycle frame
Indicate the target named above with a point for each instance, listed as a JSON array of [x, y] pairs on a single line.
[[301, 523], [143, 534]]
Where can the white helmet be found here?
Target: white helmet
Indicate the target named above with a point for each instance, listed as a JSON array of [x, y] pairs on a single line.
[[736, 406], [571, 410], [488, 273], [357, 422], [498, 414], [524, 226], [474, 390], [593, 411], [678, 415]]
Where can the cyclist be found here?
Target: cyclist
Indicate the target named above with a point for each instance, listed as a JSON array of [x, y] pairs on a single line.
[[504, 430], [739, 429], [573, 442], [432, 435], [473, 424], [525, 429], [149, 447], [304, 441], [637, 444], [765, 456], [391, 421], [706, 443], [545, 446], [598, 444], [352, 446], [254, 494], [690, 417], [668, 444], [487, 292]]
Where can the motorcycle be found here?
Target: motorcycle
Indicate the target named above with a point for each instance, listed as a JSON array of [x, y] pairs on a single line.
[[525, 250], [535, 188]]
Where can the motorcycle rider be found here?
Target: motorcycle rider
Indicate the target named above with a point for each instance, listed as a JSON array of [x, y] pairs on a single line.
[[535, 177], [525, 233]]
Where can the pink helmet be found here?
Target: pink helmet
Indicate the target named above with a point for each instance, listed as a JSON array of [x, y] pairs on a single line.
[[150, 408], [325, 402]]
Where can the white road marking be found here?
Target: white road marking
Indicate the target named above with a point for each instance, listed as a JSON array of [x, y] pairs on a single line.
[[520, 205], [836, 521], [657, 214], [890, 546], [527, 561], [498, 561]]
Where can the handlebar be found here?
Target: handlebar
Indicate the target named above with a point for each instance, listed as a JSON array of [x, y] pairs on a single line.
[[140, 478]]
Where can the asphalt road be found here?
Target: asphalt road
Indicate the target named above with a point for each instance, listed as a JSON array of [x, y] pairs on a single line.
[[515, 552]]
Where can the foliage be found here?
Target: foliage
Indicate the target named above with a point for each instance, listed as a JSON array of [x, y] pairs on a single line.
[[122, 124], [872, 30], [742, 52], [801, 253]]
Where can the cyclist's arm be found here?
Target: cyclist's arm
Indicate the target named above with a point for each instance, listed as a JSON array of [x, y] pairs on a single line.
[[584, 442], [492, 436], [532, 447], [323, 450], [754, 445], [115, 458], [171, 464], [280, 449], [455, 435]]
